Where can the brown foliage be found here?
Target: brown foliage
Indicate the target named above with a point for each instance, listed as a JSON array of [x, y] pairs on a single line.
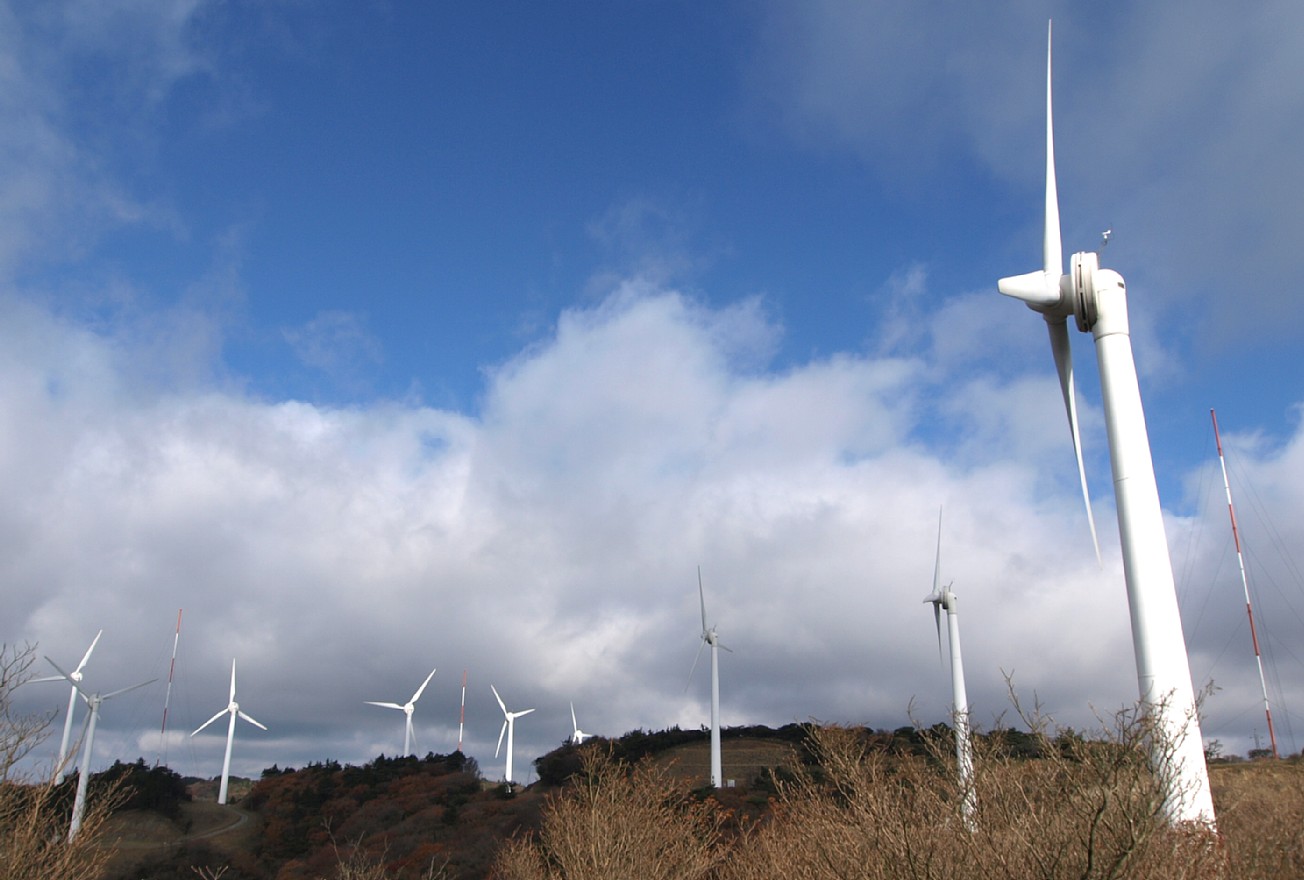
[[1088, 807], [614, 821], [1261, 818]]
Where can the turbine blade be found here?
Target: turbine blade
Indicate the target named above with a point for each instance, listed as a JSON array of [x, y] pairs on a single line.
[[501, 704], [87, 656], [937, 559], [700, 646], [249, 718], [124, 690], [575, 725], [1052, 251], [522, 712], [937, 622], [384, 705], [1059, 346], [417, 695], [1041, 290], [63, 675], [233, 679], [723, 647], [501, 733], [702, 596], [209, 721], [72, 681]]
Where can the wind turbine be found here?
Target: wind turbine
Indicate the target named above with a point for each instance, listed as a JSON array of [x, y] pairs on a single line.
[[577, 736], [509, 728], [709, 637], [943, 599], [93, 701], [406, 709], [232, 708], [75, 677], [1097, 299]]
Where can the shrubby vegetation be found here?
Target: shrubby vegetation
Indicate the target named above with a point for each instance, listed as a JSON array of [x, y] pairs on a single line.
[[1051, 804], [34, 812], [837, 802]]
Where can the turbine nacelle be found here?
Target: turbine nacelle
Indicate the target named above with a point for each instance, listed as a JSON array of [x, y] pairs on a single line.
[[1041, 291]]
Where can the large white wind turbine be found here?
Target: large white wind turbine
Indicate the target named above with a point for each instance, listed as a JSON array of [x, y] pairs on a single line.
[[93, 701], [943, 599], [509, 728], [233, 709], [1097, 299], [60, 768], [406, 709], [577, 736], [709, 637]]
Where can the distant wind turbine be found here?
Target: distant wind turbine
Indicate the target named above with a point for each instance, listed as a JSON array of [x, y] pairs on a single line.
[[943, 599], [406, 709], [709, 637], [509, 728], [1097, 300], [577, 736], [232, 708], [93, 701], [75, 678]]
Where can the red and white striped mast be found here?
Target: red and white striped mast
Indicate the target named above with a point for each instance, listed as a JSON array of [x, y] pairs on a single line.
[[1245, 584], [167, 697]]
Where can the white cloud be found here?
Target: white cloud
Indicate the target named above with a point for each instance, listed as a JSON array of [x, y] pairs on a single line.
[[551, 546]]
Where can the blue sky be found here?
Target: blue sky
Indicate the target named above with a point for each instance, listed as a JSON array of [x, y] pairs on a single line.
[[382, 336]]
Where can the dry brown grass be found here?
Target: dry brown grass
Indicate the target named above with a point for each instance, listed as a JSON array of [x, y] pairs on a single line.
[[1261, 817], [1088, 808], [616, 822]]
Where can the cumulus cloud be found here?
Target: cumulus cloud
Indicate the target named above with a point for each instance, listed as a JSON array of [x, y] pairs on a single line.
[[549, 545], [548, 541]]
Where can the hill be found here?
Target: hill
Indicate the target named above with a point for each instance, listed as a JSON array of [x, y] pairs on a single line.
[[437, 817], [408, 814]]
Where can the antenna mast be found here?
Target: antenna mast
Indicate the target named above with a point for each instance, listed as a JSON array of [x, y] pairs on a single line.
[[1245, 584], [167, 697], [461, 717]]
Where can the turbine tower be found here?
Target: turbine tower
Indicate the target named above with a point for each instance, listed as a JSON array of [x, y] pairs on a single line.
[[1097, 299], [406, 709], [943, 599], [709, 637], [93, 701], [577, 736], [509, 728], [75, 678], [233, 709]]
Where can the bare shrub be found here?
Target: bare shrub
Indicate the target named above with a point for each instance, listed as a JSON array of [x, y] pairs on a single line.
[[1089, 807], [617, 821]]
